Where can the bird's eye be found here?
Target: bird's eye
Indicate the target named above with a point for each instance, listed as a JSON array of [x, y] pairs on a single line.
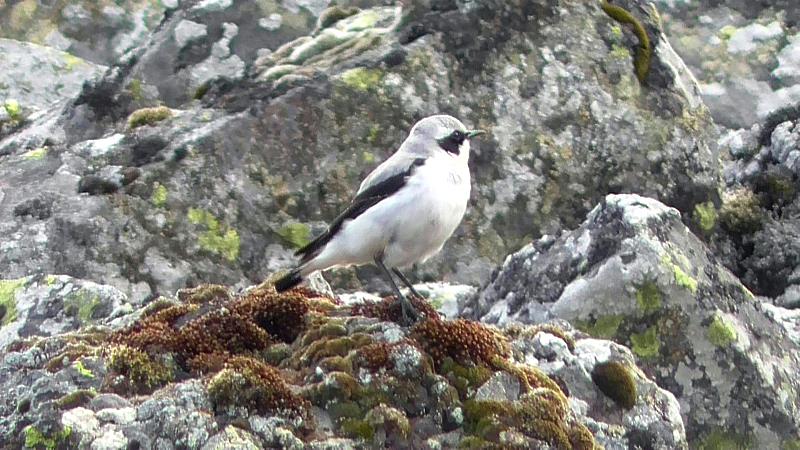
[[458, 136]]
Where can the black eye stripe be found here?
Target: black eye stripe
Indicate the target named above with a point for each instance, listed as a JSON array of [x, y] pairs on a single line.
[[452, 142]]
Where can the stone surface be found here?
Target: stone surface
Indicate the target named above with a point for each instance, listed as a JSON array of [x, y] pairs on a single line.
[[273, 128], [635, 274]]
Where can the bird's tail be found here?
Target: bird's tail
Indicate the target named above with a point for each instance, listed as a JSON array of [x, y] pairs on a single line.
[[288, 281]]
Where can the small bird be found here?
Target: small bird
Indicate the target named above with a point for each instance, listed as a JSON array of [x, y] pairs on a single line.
[[403, 212]]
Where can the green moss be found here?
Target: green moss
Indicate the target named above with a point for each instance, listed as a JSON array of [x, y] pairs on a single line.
[[159, 196], [148, 116], [474, 443], [721, 332], [36, 439], [362, 79], [82, 304], [77, 398], [35, 154], [604, 327], [13, 109], [277, 71], [71, 61], [334, 14], [364, 20], [326, 40], [135, 88], [725, 440], [792, 444], [50, 280], [218, 238], [8, 299], [616, 31], [681, 278], [616, 381], [648, 296], [86, 373], [641, 62], [705, 216], [201, 91], [740, 212], [358, 429], [620, 52], [142, 371], [646, 345], [296, 234]]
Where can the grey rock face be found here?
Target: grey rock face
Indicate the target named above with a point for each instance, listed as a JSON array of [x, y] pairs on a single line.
[[634, 273], [743, 54], [290, 119]]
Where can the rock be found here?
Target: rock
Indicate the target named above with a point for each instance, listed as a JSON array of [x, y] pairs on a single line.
[[432, 384], [252, 104], [632, 272]]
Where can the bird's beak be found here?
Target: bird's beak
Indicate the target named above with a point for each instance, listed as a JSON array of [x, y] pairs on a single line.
[[473, 133]]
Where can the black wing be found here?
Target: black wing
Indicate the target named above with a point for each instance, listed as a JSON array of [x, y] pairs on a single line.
[[362, 202]]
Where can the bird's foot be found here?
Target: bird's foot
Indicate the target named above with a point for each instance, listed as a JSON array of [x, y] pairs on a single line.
[[410, 314]]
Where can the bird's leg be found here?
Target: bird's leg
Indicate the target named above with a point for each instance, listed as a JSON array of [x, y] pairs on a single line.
[[406, 282], [408, 309]]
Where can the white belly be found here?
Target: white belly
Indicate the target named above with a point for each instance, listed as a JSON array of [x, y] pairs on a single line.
[[408, 227]]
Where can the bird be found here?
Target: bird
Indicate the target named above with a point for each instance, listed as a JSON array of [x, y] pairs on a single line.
[[403, 212]]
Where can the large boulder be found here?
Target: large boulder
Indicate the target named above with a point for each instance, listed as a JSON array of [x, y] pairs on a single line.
[[634, 273], [210, 369], [275, 118]]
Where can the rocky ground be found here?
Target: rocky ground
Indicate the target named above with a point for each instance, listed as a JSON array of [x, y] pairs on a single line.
[[149, 147]]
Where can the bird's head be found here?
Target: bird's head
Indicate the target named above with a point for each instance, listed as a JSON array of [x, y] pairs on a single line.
[[443, 133]]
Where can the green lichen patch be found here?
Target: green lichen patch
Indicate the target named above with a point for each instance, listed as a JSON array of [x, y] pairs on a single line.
[[646, 345], [648, 297], [362, 79], [296, 234], [721, 332], [615, 379], [218, 238], [76, 398], [142, 372], [148, 116], [82, 370], [603, 327], [8, 299], [36, 154], [159, 196], [682, 279], [13, 109], [82, 304], [34, 438], [726, 33], [705, 216]]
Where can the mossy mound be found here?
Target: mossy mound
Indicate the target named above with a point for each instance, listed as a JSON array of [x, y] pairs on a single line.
[[309, 360]]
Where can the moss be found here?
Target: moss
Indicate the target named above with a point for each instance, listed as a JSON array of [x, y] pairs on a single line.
[[648, 297], [8, 299], [13, 109], [393, 421], [148, 116], [740, 212], [75, 399], [641, 62], [464, 378], [362, 21], [616, 381], [201, 91], [362, 79], [143, 373], [218, 239], [82, 370], [474, 443], [681, 278], [721, 332], [159, 196], [334, 14], [277, 71], [620, 52], [326, 40], [135, 88], [604, 327], [646, 345], [36, 439], [725, 440], [792, 444], [36, 154], [358, 429], [462, 340], [71, 61], [705, 216], [296, 234], [82, 304]]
